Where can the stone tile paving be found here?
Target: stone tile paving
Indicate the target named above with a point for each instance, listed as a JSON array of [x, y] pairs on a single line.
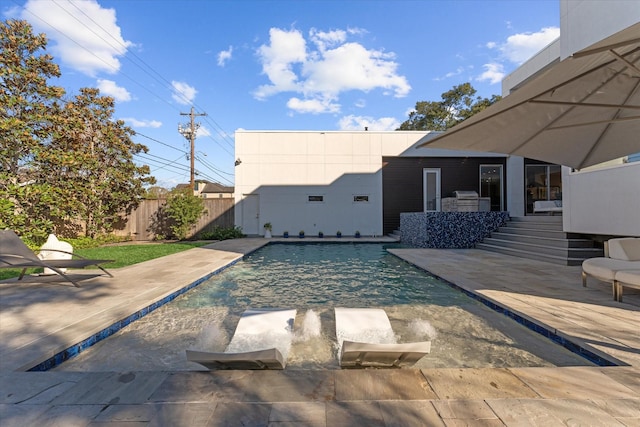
[[549, 295], [39, 318]]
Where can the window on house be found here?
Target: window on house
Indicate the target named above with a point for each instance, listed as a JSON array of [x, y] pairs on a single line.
[[316, 199], [361, 199]]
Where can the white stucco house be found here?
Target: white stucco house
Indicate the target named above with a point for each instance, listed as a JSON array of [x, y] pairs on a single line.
[[350, 181], [333, 181]]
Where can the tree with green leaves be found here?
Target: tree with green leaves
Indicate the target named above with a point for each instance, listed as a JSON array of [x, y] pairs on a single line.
[[27, 102], [457, 105], [66, 165], [90, 157]]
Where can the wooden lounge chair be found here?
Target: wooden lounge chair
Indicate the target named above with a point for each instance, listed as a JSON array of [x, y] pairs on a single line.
[[15, 254]]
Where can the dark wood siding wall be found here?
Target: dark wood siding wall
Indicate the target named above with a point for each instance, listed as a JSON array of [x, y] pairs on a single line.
[[402, 182]]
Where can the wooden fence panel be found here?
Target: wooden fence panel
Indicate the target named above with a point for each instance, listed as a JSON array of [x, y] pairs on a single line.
[[140, 223]]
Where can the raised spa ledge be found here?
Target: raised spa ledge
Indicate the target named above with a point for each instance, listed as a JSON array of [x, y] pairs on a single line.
[[449, 230]]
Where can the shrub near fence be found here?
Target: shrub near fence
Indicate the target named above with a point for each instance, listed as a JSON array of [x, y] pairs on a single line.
[[140, 223]]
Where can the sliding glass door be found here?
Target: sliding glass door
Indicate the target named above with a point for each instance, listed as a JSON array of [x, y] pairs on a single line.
[[544, 182]]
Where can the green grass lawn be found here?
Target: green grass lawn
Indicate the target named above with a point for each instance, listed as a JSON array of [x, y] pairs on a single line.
[[122, 255]]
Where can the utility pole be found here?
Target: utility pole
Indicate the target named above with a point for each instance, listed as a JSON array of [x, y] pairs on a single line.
[[190, 134]]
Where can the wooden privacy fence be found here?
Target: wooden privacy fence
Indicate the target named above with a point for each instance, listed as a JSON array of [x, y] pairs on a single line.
[[141, 223]]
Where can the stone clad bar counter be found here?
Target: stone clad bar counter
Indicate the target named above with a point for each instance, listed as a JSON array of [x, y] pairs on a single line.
[[449, 230]]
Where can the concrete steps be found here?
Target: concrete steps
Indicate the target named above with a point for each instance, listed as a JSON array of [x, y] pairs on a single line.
[[540, 238], [395, 235]]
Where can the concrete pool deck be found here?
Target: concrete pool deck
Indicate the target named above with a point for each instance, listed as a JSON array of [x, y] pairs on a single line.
[[39, 319]]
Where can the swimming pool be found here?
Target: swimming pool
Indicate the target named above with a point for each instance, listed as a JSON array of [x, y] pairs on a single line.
[[314, 279]]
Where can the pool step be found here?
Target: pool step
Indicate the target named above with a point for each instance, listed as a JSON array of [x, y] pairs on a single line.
[[540, 238], [395, 235]]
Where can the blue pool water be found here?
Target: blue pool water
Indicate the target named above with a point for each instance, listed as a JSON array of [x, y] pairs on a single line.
[[314, 279], [322, 275]]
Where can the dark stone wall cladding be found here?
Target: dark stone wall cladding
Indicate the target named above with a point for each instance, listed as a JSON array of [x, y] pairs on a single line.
[[448, 230]]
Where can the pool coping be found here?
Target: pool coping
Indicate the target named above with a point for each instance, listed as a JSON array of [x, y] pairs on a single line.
[[73, 350], [531, 324], [599, 359]]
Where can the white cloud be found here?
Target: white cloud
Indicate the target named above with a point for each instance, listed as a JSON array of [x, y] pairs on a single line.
[[352, 122], [517, 49], [286, 49], [110, 88], [142, 123], [324, 39], [203, 131], [493, 73], [352, 67], [224, 56], [321, 73], [520, 47], [457, 72], [313, 106], [86, 36], [183, 93]]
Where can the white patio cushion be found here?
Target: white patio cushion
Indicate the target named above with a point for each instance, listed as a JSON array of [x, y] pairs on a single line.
[[630, 277], [626, 248], [605, 268]]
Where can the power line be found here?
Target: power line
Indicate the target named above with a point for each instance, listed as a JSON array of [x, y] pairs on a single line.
[[159, 142], [148, 69], [204, 162], [214, 171], [168, 164], [96, 56], [164, 163], [210, 166], [157, 76]]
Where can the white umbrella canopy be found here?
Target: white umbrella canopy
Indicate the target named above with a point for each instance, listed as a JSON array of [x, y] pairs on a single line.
[[580, 112]]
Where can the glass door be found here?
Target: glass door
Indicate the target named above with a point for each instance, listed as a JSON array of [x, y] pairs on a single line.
[[431, 187], [491, 185], [544, 182]]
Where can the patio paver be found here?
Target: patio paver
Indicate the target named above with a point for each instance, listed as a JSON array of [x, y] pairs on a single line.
[[39, 319]]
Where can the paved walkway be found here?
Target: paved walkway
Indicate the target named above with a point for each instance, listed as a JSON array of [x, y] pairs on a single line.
[[37, 320]]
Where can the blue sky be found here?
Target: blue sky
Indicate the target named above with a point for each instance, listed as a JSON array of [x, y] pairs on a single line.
[[278, 65]]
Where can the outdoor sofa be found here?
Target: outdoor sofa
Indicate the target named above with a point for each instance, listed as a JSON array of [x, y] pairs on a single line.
[[620, 266], [547, 206]]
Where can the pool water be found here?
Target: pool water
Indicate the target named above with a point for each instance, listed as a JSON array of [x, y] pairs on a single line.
[[314, 279]]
